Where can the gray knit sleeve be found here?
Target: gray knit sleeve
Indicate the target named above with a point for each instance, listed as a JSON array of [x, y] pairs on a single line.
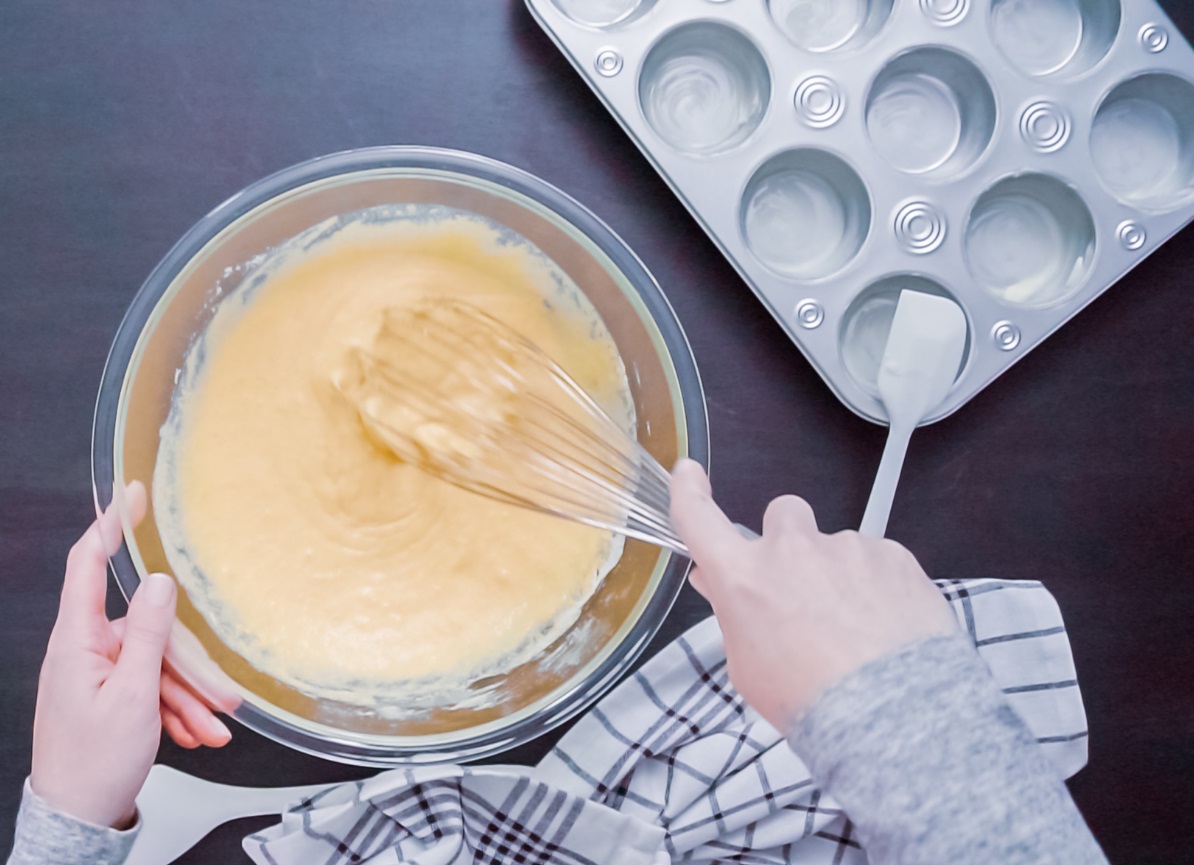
[[932, 765], [46, 837]]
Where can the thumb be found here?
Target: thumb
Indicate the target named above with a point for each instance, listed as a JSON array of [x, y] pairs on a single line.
[[146, 632], [709, 535]]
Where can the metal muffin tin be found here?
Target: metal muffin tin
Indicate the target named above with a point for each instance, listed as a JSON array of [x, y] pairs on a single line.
[[1019, 156]]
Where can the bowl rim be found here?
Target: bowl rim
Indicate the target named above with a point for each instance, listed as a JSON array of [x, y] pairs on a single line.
[[570, 700]]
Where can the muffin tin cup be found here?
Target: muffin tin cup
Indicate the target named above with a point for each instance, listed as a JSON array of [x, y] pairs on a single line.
[[916, 140], [805, 213], [704, 88], [603, 13], [1142, 141], [820, 26], [930, 111], [1054, 37], [1030, 241]]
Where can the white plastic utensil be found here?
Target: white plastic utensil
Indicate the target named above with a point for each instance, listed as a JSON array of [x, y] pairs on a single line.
[[178, 810], [920, 362]]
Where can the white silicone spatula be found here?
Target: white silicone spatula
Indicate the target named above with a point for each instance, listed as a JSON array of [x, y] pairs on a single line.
[[178, 810], [920, 362]]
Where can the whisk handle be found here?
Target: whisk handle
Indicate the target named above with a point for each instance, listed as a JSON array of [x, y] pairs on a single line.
[[677, 546], [749, 534]]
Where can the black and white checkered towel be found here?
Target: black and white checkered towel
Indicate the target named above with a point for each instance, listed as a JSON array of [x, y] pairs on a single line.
[[670, 766]]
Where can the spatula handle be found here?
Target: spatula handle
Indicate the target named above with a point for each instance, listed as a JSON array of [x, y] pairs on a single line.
[[255, 801], [878, 507]]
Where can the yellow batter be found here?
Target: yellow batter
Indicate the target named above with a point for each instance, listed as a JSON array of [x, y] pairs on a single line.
[[307, 545]]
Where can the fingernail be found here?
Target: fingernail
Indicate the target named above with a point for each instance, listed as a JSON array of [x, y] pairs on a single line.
[[218, 728], [159, 590]]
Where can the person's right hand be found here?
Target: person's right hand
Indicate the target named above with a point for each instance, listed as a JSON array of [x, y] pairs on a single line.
[[799, 609]]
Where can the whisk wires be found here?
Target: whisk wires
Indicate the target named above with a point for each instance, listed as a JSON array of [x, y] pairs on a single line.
[[454, 391]]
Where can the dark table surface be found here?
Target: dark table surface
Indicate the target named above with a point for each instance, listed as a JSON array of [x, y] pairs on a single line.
[[123, 122]]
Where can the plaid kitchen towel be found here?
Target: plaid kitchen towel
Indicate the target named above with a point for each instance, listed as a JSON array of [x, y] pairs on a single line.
[[670, 766]]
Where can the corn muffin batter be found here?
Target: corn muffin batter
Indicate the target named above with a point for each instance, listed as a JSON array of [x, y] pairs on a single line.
[[309, 547]]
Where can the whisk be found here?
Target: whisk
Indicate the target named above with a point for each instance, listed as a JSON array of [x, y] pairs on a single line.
[[454, 391]]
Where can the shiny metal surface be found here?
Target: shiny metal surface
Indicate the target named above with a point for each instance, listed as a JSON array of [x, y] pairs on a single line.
[[901, 124]]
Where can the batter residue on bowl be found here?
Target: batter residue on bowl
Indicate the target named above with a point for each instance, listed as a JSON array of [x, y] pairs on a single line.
[[310, 549]]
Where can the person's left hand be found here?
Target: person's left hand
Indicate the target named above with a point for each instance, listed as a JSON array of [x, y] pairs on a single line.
[[103, 696]]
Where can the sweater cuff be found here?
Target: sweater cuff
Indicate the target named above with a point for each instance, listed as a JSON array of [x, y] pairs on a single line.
[[931, 763], [941, 677], [44, 835]]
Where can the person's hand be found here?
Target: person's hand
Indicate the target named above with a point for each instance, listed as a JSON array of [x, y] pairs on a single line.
[[103, 696], [799, 609]]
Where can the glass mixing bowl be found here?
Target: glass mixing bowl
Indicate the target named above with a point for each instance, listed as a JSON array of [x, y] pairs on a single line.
[[180, 297]]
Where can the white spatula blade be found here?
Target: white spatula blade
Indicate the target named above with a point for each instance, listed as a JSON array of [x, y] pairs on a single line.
[[923, 352], [921, 359]]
